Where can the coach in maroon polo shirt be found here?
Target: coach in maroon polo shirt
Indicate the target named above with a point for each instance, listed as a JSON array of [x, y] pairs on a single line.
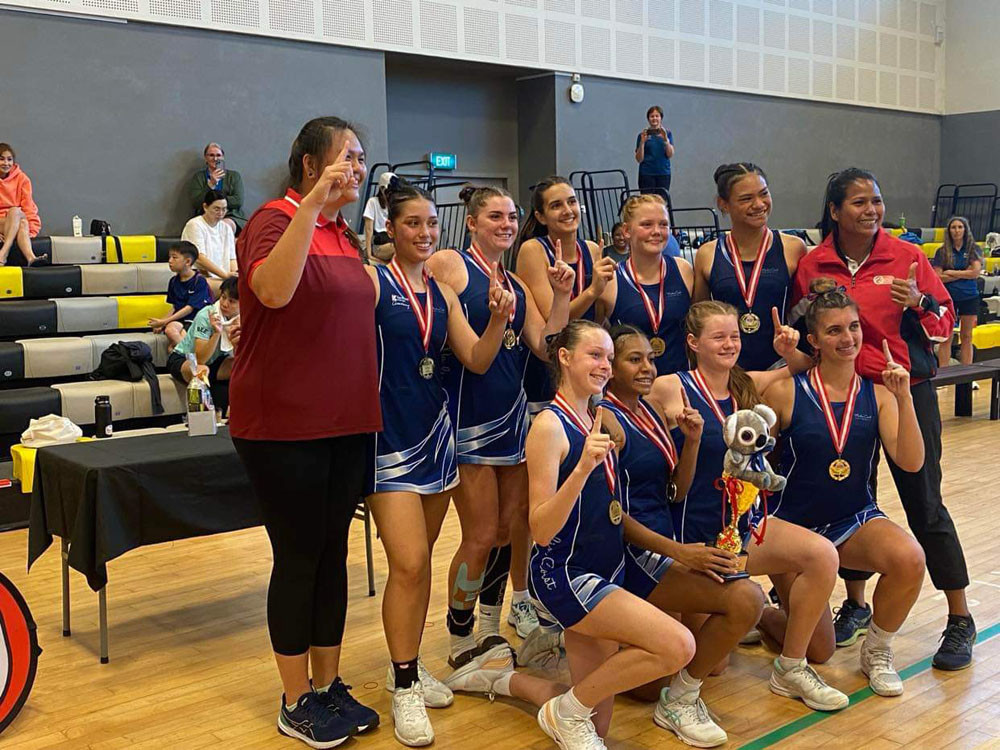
[[304, 397]]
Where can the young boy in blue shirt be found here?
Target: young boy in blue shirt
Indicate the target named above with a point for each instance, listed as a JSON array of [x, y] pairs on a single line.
[[187, 292]]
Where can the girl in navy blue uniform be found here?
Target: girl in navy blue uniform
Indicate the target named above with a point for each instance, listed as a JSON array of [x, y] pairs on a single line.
[[717, 387], [958, 263], [684, 577], [577, 569], [834, 420], [750, 267], [651, 290], [412, 467], [489, 412]]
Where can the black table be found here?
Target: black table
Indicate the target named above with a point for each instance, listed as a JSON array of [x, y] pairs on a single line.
[[994, 366], [106, 497], [962, 377]]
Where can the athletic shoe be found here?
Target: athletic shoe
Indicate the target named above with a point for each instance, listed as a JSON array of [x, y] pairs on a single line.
[[850, 621], [575, 733], [802, 682], [876, 663], [542, 649], [522, 618], [313, 723], [436, 693], [955, 651], [688, 718], [490, 642], [479, 674], [338, 698], [409, 715], [751, 638]]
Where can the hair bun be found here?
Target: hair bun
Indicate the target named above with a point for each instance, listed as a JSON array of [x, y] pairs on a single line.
[[466, 193], [822, 285]]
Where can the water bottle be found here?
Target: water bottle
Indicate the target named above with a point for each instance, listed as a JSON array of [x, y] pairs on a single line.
[[102, 417], [902, 222], [77, 226]]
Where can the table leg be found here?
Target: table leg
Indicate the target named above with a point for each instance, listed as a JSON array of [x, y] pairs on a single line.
[[368, 552], [963, 400], [995, 398], [102, 606], [64, 562]]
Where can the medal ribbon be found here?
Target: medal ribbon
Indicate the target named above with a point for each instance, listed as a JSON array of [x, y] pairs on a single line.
[[749, 292], [425, 315], [655, 316], [699, 381], [837, 433], [646, 423], [477, 257], [564, 406]]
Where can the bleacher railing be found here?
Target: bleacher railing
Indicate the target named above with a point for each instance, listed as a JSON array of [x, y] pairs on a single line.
[[976, 201]]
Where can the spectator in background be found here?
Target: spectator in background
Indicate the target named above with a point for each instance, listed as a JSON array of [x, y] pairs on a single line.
[[19, 220], [654, 147], [214, 239], [618, 249], [377, 241], [958, 263], [215, 176], [187, 293]]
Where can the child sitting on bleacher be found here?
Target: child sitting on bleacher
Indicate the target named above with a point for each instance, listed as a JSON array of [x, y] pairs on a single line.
[[212, 337], [187, 292]]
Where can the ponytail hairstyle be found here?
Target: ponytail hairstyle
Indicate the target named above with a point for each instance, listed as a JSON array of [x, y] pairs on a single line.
[[741, 385], [568, 338], [836, 193], [727, 175], [314, 140], [825, 295], [532, 227], [947, 248], [475, 197], [399, 192]]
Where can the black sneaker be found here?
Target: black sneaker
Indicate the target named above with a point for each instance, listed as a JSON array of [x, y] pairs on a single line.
[[338, 699], [850, 621], [955, 651], [313, 723]]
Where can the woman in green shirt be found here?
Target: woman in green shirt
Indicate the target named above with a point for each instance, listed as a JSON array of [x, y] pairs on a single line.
[[215, 176]]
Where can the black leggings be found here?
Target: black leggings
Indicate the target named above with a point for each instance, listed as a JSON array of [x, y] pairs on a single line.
[[308, 491]]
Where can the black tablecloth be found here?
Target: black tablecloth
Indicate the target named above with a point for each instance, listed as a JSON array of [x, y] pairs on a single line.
[[110, 496]]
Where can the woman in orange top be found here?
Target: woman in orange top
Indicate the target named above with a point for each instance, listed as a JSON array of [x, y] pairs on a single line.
[[18, 213]]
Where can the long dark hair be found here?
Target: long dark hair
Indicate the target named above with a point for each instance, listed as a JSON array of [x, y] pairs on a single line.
[[314, 140], [400, 192], [532, 227], [947, 248], [836, 192]]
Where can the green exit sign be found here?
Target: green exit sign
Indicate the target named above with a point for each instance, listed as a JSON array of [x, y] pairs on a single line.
[[444, 161]]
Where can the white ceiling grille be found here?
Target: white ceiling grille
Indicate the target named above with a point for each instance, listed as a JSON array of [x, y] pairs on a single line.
[[720, 65], [596, 43], [867, 84], [560, 43], [720, 19], [887, 93], [599, 9], [908, 91], [845, 82], [822, 80], [629, 11], [482, 32], [661, 14], [438, 26], [774, 73], [245, 13], [660, 53], [747, 69], [292, 16], [521, 37], [692, 61], [187, 10], [393, 22], [628, 53], [344, 19]]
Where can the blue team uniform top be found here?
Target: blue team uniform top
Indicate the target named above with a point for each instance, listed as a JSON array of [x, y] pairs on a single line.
[[415, 452], [757, 352], [812, 497], [489, 411], [959, 289], [537, 384], [629, 309]]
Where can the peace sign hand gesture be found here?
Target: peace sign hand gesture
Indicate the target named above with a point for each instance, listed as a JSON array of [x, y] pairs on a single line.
[[596, 447], [501, 300], [786, 338], [332, 182]]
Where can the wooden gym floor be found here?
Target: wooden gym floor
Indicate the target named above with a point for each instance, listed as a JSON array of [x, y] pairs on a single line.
[[191, 668]]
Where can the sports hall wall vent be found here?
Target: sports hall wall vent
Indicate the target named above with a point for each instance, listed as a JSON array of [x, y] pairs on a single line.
[[774, 73], [868, 11], [629, 11], [599, 9], [560, 43], [747, 24], [867, 46], [822, 6], [438, 26], [845, 9], [774, 29], [845, 41], [908, 53], [798, 34], [888, 52], [888, 15], [867, 85], [597, 42], [691, 61], [748, 68], [908, 91], [241, 13], [692, 17], [628, 53], [845, 82], [720, 65], [561, 6], [482, 32], [798, 77], [344, 19], [908, 16], [119, 6], [660, 54], [822, 83], [928, 57], [188, 10], [392, 22], [521, 37], [660, 14], [720, 20], [292, 16], [822, 39], [522, 3], [887, 88], [927, 94]]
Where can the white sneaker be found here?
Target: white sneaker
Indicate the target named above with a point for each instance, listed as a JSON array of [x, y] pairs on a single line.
[[522, 618], [569, 734], [876, 663], [688, 718], [802, 682], [436, 693], [479, 674], [751, 638], [409, 715], [542, 649]]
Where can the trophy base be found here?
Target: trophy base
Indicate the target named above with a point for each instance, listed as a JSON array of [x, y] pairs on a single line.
[[739, 575]]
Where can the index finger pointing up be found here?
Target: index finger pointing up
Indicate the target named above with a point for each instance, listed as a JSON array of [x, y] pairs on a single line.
[[888, 354], [343, 152], [684, 398], [598, 416], [494, 274], [559, 250], [776, 318]]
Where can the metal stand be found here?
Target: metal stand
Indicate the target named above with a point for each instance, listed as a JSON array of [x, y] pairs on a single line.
[[64, 562], [102, 603], [102, 608]]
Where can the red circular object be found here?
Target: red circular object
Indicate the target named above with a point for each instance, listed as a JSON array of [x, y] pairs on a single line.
[[18, 652]]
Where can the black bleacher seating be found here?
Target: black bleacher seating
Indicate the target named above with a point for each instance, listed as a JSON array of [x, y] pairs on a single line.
[[163, 245], [20, 318], [20, 405], [52, 281], [11, 361]]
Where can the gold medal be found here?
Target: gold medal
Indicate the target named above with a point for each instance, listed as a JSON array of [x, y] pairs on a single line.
[[658, 345], [426, 368], [615, 512], [749, 323], [839, 470], [509, 338]]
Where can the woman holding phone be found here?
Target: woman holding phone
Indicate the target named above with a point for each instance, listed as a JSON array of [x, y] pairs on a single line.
[[654, 148]]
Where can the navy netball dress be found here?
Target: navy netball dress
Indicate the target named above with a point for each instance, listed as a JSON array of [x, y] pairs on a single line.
[[757, 352], [537, 382], [415, 452], [629, 309], [812, 497], [698, 518], [489, 411], [644, 474], [585, 561]]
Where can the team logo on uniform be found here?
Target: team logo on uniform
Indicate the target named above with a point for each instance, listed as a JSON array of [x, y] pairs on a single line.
[[18, 652], [883, 280]]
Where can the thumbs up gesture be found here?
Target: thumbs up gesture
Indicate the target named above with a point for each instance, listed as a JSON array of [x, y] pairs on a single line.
[[905, 291], [596, 447]]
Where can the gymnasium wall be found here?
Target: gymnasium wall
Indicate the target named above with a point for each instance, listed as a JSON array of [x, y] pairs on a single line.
[[109, 120]]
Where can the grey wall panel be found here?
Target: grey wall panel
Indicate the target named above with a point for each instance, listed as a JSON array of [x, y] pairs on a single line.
[[797, 142], [970, 147], [112, 118]]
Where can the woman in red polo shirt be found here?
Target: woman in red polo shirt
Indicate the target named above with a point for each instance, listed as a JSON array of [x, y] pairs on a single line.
[[304, 398], [902, 302]]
